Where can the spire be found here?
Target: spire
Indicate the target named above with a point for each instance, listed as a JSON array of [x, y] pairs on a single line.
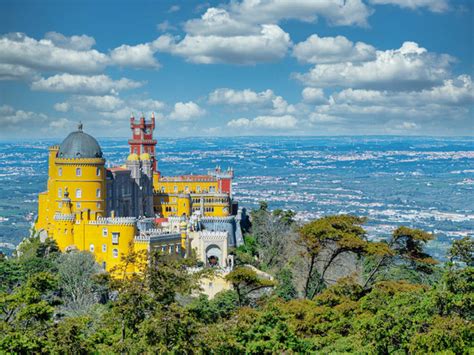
[[79, 126]]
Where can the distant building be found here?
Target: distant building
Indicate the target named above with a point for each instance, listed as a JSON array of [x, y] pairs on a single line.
[[112, 211]]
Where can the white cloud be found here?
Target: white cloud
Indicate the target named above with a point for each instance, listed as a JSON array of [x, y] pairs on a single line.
[[408, 68], [247, 97], [61, 124], [185, 111], [78, 43], [265, 122], [62, 106], [432, 5], [219, 22], [148, 104], [336, 12], [15, 72], [270, 44], [82, 84], [313, 95], [9, 117], [323, 50], [165, 26], [45, 55], [139, 56], [239, 97]]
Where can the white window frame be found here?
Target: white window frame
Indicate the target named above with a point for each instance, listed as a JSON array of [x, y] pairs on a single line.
[[104, 248], [91, 248], [78, 172], [97, 172], [115, 238], [60, 172], [78, 193], [98, 193], [115, 253], [60, 192]]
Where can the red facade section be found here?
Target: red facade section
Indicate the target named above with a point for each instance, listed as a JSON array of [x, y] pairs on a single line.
[[226, 185], [142, 138]]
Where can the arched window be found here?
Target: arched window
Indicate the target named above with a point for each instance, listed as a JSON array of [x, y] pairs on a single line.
[[97, 193], [60, 192], [78, 193], [97, 172], [60, 172], [78, 172], [115, 253], [91, 248], [104, 247]]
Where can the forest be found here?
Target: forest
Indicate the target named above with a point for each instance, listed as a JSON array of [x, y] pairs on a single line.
[[332, 291]]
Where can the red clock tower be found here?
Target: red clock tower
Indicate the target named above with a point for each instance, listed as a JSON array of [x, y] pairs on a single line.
[[142, 137]]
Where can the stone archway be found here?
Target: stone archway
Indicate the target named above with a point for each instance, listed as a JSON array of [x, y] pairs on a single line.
[[213, 255]]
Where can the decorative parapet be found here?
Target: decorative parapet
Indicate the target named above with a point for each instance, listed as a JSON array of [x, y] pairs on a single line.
[[128, 221], [80, 161], [228, 219], [161, 236], [213, 235], [64, 216]]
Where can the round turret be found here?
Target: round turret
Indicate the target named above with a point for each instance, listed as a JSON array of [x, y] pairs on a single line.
[[133, 157], [145, 156], [79, 145]]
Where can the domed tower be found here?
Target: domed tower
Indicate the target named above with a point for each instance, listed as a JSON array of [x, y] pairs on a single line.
[[80, 170]]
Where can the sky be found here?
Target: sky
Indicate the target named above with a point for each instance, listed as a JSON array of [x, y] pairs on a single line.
[[237, 68]]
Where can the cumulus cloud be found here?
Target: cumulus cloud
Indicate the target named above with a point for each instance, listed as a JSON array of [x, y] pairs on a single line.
[[82, 84], [336, 12], [78, 43], [247, 98], [432, 5], [408, 68], [46, 55], [139, 56], [313, 95], [185, 111], [265, 122], [270, 44], [62, 106], [316, 50], [16, 72], [10, 117]]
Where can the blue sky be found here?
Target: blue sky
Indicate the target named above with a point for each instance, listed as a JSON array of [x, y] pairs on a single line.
[[252, 67]]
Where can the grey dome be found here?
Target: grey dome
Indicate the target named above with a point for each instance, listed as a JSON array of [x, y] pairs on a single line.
[[79, 145]]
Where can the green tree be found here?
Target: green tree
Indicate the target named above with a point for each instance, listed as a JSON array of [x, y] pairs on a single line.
[[246, 281], [462, 250], [334, 235]]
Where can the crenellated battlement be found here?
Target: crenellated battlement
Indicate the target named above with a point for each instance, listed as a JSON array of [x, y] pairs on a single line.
[[213, 235], [127, 221], [210, 219], [80, 161], [64, 216]]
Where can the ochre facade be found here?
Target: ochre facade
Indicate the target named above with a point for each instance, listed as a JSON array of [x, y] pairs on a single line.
[[112, 211]]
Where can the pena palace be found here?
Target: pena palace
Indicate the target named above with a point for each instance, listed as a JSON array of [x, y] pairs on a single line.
[[111, 211]]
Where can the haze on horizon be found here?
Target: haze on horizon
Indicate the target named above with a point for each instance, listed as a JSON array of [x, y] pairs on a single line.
[[237, 68]]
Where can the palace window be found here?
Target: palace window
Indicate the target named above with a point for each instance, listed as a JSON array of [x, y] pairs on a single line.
[[163, 248], [175, 188], [104, 232], [98, 205], [212, 189], [60, 192], [60, 172], [198, 188], [162, 189], [97, 193], [186, 188], [78, 193], [97, 172], [171, 249], [104, 248], [115, 253], [91, 248], [104, 265], [115, 238], [78, 205], [78, 172]]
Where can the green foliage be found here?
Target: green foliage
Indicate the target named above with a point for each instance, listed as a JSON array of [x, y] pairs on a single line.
[[462, 250], [398, 311]]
